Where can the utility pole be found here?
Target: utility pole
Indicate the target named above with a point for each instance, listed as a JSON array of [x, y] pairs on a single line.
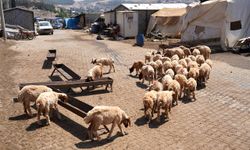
[[2, 20]]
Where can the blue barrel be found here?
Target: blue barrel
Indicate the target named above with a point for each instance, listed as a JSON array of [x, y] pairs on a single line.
[[140, 40]]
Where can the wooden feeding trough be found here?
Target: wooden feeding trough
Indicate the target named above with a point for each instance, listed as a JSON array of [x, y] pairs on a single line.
[[51, 56]]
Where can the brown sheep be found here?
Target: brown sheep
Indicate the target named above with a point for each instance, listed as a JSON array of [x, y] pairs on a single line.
[[105, 115], [200, 59], [147, 72], [95, 73], [137, 66], [204, 50], [190, 88], [182, 81], [29, 94], [46, 101], [204, 72], [164, 101], [149, 103], [105, 62]]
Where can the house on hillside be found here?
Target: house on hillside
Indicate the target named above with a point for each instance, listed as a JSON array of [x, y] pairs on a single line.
[[20, 16], [144, 12]]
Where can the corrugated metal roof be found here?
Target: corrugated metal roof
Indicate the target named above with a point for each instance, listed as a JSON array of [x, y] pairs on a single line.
[[156, 6]]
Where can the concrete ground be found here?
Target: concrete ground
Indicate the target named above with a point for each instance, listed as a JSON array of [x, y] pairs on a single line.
[[219, 119]]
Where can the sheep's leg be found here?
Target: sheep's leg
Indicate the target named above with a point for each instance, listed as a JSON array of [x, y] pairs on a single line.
[[90, 134], [111, 130], [28, 107], [46, 114], [121, 130], [158, 114], [166, 112], [38, 116], [194, 96], [110, 67], [137, 71], [24, 108], [113, 67], [94, 131]]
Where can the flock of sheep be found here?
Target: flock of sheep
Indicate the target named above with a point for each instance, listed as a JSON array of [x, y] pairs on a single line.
[[172, 74]]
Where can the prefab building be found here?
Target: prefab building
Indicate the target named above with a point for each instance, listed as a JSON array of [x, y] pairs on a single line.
[[128, 22], [20, 16], [109, 17], [144, 12]]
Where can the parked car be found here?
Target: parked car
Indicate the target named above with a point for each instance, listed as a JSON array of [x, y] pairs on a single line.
[[57, 25], [44, 27]]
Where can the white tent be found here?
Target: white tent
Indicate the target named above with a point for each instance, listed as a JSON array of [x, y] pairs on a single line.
[[166, 21], [228, 20]]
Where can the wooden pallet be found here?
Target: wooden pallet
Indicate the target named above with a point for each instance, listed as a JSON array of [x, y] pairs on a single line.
[[51, 56]]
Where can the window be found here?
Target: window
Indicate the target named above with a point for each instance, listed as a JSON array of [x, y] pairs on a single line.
[[236, 25]]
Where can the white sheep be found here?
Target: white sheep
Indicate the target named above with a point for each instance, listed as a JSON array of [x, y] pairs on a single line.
[[166, 81], [105, 115], [149, 103], [156, 86], [190, 87], [163, 59], [204, 50], [170, 72], [147, 72], [194, 73], [196, 52], [137, 66], [209, 62], [164, 101], [167, 65], [200, 59], [175, 57], [204, 72], [105, 62], [46, 101], [148, 56], [95, 73], [29, 94], [182, 81], [175, 86], [183, 62]]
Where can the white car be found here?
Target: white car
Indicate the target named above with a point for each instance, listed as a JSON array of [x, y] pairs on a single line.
[[44, 27]]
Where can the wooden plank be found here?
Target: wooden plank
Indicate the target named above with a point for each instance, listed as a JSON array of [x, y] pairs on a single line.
[[51, 54], [72, 84], [66, 72]]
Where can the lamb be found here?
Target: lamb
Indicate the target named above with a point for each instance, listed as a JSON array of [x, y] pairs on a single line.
[[182, 81], [147, 72], [29, 94], [159, 67], [137, 66], [148, 57], [175, 57], [177, 68], [170, 72], [204, 72], [95, 73], [183, 62], [46, 101], [188, 60], [167, 65], [192, 57], [149, 103], [196, 52], [182, 71], [209, 62], [175, 86], [104, 115], [200, 59], [157, 57], [174, 64], [192, 64], [204, 50], [178, 51], [155, 66], [194, 73], [166, 81], [164, 59], [190, 87], [105, 62], [156, 86], [164, 101], [186, 50]]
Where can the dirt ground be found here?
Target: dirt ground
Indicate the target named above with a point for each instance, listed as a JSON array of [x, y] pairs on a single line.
[[219, 119]]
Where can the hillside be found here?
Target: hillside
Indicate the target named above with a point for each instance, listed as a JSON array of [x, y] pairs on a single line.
[[104, 5]]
